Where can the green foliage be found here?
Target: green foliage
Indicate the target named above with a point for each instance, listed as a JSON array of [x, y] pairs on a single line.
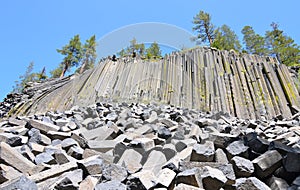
[[226, 39], [282, 46], [73, 54], [140, 50], [56, 73], [134, 47], [41, 75], [254, 43], [153, 51], [89, 54], [204, 28], [29, 76]]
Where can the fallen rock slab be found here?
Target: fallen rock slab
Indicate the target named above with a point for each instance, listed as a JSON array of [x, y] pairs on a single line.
[[15, 159]]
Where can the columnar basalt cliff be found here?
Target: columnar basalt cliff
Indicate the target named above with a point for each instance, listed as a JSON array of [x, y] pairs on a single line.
[[245, 86]]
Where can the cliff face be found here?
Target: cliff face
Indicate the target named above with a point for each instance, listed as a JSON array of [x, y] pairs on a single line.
[[245, 86]]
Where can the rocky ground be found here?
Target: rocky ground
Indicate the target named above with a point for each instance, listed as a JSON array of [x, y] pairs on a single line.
[[137, 146]]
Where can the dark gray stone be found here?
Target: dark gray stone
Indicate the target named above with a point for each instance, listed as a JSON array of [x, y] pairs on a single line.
[[164, 132], [10, 139], [256, 143], [291, 162]]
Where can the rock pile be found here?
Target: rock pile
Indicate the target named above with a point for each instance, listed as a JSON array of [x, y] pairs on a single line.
[[138, 146], [32, 90]]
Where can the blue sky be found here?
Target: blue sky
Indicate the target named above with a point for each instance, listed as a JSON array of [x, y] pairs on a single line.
[[32, 30]]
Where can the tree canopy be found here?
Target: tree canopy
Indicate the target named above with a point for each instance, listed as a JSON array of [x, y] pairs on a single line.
[[139, 49], [282, 46], [76, 54], [29, 76], [204, 28], [89, 54], [226, 39], [254, 43], [73, 54]]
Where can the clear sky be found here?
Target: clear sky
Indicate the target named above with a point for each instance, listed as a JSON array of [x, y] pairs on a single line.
[[32, 30]]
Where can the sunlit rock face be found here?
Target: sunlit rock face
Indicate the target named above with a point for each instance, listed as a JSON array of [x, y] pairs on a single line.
[[242, 85]]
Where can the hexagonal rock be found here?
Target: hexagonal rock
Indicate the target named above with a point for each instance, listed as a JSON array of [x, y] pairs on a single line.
[[203, 152], [43, 126], [155, 161], [242, 167], [93, 167], [267, 163], [237, 148], [142, 144], [190, 177], [115, 185], [250, 183], [131, 160], [227, 169], [166, 177], [212, 178]]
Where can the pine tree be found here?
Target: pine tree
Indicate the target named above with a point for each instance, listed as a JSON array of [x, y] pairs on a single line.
[[226, 39], [282, 46], [204, 28], [72, 53], [28, 76], [254, 43], [153, 51], [89, 54]]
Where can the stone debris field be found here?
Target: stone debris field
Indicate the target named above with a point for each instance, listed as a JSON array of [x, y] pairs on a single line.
[[110, 146]]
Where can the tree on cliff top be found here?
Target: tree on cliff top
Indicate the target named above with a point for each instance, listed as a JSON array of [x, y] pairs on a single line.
[[89, 54], [226, 39], [282, 46], [254, 43], [153, 51], [204, 28], [72, 53], [28, 76]]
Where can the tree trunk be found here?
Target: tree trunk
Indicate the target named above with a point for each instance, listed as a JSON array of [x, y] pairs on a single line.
[[64, 70], [83, 67]]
